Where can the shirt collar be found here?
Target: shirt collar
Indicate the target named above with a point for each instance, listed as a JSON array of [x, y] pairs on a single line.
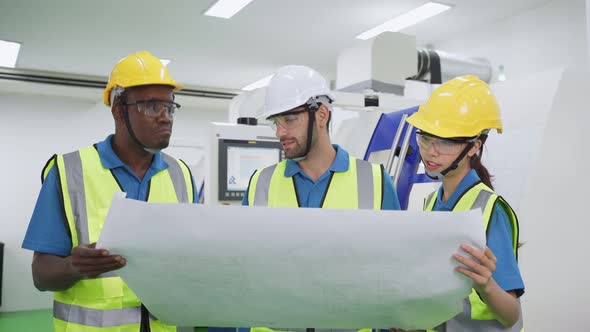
[[110, 160], [340, 163], [468, 181]]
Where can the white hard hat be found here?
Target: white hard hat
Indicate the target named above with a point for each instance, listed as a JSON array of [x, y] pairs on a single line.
[[293, 86]]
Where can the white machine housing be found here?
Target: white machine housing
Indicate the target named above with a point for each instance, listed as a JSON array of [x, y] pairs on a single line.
[[217, 132], [381, 64]]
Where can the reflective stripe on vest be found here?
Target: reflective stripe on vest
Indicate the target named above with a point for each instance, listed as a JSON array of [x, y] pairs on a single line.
[[360, 187], [99, 318], [100, 302], [178, 179], [476, 316]]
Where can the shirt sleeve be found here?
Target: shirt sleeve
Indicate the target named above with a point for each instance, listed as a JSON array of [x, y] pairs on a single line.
[[196, 197], [499, 238], [245, 200], [390, 199], [47, 231]]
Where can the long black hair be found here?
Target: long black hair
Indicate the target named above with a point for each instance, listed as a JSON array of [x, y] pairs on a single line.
[[478, 166]]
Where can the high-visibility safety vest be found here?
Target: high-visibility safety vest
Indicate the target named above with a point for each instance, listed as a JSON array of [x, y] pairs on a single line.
[[476, 315], [360, 187], [104, 303]]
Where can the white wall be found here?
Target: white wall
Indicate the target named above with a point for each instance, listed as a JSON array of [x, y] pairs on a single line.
[[553, 34], [34, 126], [553, 215], [525, 104]]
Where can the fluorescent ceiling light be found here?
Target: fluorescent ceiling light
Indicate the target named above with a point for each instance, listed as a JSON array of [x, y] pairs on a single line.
[[258, 84], [403, 21], [165, 62], [8, 53], [226, 8]]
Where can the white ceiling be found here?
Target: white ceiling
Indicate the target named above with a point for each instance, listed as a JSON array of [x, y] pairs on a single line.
[[88, 37]]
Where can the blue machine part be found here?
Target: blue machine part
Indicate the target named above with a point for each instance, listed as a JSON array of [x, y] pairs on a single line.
[[382, 139]]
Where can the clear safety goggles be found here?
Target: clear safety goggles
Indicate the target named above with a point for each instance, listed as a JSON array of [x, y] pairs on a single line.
[[287, 121], [444, 146], [154, 108]]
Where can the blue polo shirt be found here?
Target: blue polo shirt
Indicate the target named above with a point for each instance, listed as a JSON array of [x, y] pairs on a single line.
[[312, 192], [48, 231], [499, 236]]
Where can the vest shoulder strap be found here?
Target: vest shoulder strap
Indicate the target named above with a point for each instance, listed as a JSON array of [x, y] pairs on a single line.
[[73, 200], [181, 178], [429, 201], [368, 180], [260, 182]]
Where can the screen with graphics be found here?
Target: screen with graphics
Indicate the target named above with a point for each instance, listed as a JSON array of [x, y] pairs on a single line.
[[238, 159]]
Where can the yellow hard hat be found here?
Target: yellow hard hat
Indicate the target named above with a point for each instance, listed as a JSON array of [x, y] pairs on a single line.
[[461, 107], [141, 68]]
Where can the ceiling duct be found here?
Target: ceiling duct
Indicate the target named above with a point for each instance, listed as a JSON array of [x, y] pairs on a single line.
[[437, 66], [384, 63], [98, 82]]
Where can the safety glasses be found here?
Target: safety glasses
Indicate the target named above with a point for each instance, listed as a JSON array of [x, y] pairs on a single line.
[[287, 121], [153, 108], [444, 146]]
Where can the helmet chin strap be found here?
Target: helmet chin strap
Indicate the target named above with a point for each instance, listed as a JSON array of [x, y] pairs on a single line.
[[132, 133], [310, 124], [312, 107], [454, 165]]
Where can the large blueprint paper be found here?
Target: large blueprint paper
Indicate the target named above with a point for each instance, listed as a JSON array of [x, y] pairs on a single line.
[[235, 266]]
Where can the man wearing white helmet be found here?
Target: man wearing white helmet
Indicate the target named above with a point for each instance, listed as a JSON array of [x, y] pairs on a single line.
[[316, 173]]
